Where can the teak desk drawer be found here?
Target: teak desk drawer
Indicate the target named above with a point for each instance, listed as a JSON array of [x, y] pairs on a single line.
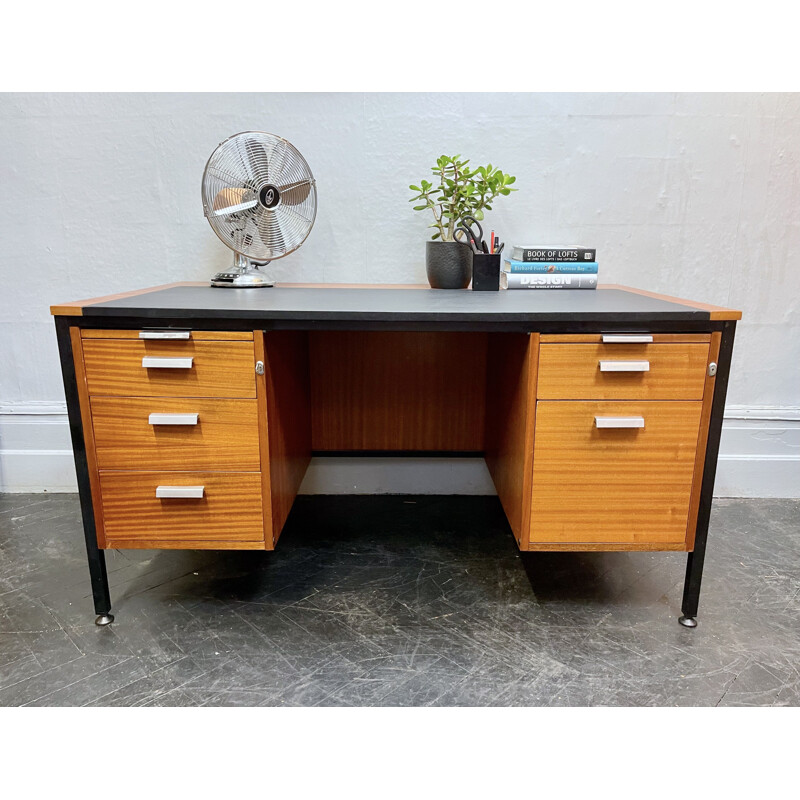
[[229, 510], [143, 433], [167, 333], [216, 369], [613, 484], [657, 371]]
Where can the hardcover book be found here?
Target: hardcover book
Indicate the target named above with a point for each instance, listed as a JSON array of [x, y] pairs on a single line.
[[549, 252], [550, 281], [551, 267]]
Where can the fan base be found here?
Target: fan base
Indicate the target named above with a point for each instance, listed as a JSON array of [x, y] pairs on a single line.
[[249, 279]]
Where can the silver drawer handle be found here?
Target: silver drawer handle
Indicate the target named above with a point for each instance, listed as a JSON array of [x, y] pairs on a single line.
[[624, 366], [165, 334], [627, 338], [191, 492], [619, 422], [155, 362], [172, 419]]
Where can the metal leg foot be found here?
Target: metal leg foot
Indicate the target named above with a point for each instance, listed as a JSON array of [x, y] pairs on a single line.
[[104, 619], [691, 588]]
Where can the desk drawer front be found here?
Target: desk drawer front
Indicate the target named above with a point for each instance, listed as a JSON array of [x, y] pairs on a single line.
[[613, 471], [219, 507], [173, 368], [174, 433], [184, 334], [623, 371]]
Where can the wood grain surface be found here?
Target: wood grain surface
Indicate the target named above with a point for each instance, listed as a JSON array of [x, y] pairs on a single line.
[[597, 338], [230, 511], [613, 485], [285, 410], [88, 433], [397, 391], [572, 372], [579, 547], [220, 369], [225, 437], [510, 415], [196, 336], [143, 543]]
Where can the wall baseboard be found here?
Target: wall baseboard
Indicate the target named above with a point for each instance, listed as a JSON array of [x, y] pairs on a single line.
[[397, 475], [759, 453], [759, 457]]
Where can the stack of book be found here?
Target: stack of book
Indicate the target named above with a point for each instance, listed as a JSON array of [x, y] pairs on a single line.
[[549, 267]]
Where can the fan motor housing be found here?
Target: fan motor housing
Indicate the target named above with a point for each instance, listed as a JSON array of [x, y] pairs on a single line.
[[269, 196]]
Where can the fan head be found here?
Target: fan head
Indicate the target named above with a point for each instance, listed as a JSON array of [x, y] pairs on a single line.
[[259, 195]]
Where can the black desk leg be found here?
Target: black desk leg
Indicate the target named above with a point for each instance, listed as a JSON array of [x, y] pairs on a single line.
[[97, 559], [694, 565]]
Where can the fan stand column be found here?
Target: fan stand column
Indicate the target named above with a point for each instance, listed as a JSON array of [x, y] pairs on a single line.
[[245, 273]]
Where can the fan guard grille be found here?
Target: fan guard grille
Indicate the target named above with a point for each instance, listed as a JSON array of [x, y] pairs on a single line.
[[259, 195]]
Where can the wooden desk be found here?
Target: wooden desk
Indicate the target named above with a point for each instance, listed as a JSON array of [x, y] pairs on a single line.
[[194, 411]]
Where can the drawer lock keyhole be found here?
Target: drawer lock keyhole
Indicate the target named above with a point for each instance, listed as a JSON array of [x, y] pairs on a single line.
[[259, 367], [712, 369]]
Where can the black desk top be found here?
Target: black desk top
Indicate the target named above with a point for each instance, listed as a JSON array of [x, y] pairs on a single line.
[[395, 305]]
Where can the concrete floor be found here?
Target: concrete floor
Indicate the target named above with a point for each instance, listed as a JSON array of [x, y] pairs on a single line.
[[399, 601]]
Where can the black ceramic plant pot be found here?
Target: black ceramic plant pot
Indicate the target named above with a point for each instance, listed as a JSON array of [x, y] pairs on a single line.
[[449, 265]]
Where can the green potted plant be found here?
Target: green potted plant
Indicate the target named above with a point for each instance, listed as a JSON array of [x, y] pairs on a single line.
[[457, 191]]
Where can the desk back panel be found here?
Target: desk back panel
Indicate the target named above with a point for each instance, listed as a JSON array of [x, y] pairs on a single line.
[[397, 391]]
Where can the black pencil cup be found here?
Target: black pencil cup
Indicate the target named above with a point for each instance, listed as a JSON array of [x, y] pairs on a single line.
[[486, 272]]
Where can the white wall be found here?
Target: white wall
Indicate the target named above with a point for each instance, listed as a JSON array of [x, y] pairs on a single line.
[[694, 195]]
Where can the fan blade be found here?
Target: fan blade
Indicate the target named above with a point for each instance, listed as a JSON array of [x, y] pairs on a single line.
[[295, 193], [224, 176], [257, 159], [270, 232], [229, 201], [277, 162]]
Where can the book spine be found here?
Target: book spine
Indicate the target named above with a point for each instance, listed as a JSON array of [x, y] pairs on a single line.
[[561, 254], [549, 281], [550, 267]]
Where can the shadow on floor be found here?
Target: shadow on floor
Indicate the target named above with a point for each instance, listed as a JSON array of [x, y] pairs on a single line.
[[398, 601]]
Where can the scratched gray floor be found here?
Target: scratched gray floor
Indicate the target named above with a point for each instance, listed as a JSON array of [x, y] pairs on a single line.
[[399, 601]]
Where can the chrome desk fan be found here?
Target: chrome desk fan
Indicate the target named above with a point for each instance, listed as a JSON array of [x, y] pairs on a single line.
[[260, 198]]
